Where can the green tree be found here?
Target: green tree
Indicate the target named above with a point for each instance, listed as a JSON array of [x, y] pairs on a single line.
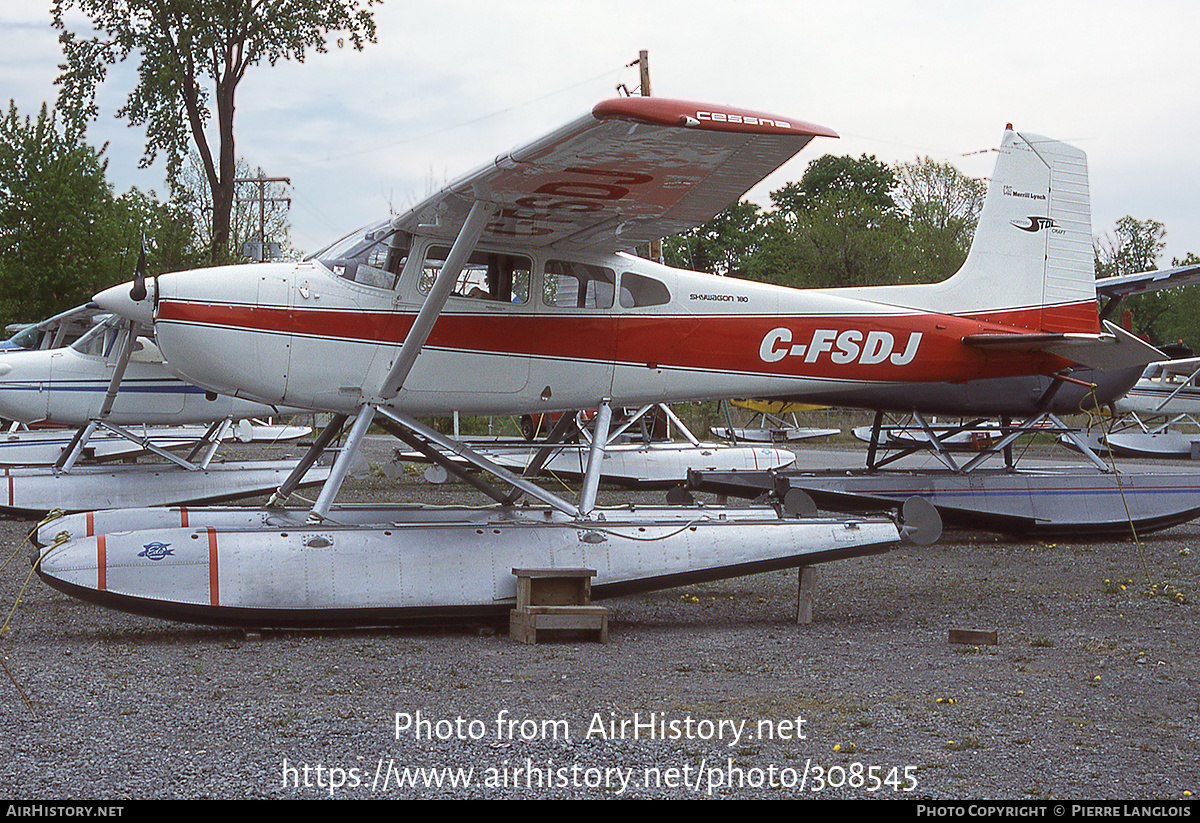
[[192, 192], [56, 218], [1134, 246], [63, 235], [192, 55], [942, 208], [833, 176], [1170, 316], [166, 230], [846, 222], [837, 226], [840, 239], [722, 246]]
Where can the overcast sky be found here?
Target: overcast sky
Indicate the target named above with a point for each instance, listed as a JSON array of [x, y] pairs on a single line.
[[451, 84]]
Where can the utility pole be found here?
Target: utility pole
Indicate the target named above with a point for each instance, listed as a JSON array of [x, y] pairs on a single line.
[[261, 181], [643, 64], [644, 71]]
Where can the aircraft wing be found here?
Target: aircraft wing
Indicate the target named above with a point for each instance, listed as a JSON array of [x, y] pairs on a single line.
[[633, 170], [1114, 349], [1123, 284]]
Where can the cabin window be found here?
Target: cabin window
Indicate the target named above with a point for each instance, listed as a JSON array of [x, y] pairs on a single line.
[[639, 290], [486, 275], [575, 285], [1177, 379]]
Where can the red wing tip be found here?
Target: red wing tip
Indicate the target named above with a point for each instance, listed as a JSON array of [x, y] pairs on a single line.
[[662, 111]]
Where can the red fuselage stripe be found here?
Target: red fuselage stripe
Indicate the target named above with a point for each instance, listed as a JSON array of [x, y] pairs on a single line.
[[831, 346]]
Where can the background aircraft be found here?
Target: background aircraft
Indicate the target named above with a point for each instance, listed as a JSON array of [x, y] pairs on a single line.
[[71, 384], [109, 395]]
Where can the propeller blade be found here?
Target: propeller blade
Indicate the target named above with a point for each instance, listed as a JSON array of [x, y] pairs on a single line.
[[138, 292]]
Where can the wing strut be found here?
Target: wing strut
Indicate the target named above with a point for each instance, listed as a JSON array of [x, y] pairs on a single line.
[[591, 477], [414, 341], [114, 384]]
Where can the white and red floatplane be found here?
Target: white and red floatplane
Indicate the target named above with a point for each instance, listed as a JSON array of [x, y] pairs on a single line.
[[511, 291]]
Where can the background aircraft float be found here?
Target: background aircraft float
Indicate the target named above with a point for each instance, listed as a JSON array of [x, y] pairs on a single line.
[[768, 425], [500, 294], [639, 451]]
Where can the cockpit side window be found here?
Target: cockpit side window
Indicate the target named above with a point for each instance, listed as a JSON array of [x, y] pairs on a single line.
[[485, 276], [101, 340], [574, 285]]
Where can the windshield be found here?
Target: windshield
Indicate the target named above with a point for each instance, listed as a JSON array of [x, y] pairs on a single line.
[[30, 338], [59, 330], [373, 255], [99, 340], [355, 244]]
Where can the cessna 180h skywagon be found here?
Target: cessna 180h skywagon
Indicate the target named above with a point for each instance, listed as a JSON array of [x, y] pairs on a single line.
[[509, 291]]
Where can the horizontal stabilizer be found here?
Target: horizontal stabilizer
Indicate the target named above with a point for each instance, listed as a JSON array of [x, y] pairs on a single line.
[[1123, 284], [1111, 350]]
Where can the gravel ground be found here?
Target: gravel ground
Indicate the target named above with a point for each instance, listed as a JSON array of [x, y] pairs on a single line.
[[1090, 692]]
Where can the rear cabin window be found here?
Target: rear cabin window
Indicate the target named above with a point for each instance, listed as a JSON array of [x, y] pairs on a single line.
[[639, 290], [574, 285], [485, 276]]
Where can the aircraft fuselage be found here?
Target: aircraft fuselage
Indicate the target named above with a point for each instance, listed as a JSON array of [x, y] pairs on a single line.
[[566, 332]]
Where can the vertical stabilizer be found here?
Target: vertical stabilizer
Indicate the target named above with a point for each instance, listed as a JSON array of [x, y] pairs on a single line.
[[1031, 263]]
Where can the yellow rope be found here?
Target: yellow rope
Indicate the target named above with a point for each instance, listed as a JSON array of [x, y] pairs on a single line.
[[59, 539]]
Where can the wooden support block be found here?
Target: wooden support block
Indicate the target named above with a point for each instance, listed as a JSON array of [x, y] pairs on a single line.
[[524, 624], [973, 637], [805, 593], [555, 600]]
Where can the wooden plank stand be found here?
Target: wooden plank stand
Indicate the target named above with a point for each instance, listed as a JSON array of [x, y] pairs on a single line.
[[555, 600]]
